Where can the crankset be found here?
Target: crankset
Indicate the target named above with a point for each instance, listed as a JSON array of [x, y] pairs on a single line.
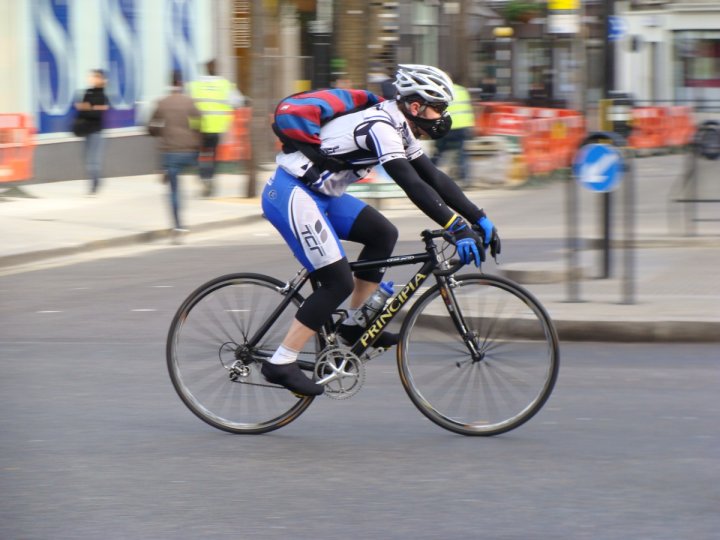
[[340, 371]]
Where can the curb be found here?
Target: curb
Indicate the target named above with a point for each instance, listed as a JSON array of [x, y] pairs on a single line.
[[118, 241], [539, 273], [634, 331], [621, 331]]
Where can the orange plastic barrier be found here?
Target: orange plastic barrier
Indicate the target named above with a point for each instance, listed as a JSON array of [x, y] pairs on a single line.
[[538, 151], [483, 112], [551, 142], [549, 137], [680, 126], [235, 145], [648, 125], [486, 123], [17, 144], [658, 127], [503, 123]]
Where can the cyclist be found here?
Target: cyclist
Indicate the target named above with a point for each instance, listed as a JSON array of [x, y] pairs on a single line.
[[312, 211]]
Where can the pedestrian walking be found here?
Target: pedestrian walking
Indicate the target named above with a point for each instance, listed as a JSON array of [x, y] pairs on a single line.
[[176, 121], [463, 122], [216, 98], [89, 124]]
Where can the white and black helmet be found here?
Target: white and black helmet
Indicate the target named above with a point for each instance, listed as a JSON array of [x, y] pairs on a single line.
[[430, 83]]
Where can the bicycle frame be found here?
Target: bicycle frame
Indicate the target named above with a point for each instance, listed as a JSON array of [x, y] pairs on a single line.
[[432, 263]]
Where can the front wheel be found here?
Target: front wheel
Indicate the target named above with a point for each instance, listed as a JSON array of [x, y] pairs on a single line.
[[214, 367], [496, 377]]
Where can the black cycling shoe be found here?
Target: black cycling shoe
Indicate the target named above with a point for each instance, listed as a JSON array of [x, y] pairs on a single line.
[[350, 334], [291, 377]]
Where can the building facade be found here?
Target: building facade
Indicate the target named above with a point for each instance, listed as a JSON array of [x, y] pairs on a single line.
[[663, 51], [51, 45], [670, 52]]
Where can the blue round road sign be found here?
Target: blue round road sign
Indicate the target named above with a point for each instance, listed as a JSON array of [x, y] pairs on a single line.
[[598, 167]]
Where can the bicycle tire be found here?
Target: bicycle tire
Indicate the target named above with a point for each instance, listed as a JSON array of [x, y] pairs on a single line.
[[210, 326], [516, 375]]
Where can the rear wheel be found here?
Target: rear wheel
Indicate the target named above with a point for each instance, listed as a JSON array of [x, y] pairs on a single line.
[[214, 369], [504, 381]]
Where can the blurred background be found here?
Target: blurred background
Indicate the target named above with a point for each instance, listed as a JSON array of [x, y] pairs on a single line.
[[94, 442], [552, 54]]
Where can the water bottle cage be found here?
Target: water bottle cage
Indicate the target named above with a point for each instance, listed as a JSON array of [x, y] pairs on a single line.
[[374, 305], [365, 316]]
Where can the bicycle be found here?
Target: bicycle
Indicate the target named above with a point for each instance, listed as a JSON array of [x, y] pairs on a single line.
[[477, 354]]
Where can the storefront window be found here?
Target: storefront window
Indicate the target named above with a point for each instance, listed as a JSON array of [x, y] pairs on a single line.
[[534, 67], [426, 30], [697, 65]]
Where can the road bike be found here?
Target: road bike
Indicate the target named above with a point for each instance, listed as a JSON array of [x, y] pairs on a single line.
[[477, 353]]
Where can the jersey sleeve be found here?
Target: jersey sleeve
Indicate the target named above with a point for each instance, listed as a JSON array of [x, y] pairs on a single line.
[[384, 139], [414, 150]]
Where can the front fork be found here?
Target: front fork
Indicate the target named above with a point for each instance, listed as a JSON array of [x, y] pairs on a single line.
[[447, 284]]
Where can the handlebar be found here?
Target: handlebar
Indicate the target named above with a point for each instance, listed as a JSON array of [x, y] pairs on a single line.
[[455, 264], [429, 235], [436, 233]]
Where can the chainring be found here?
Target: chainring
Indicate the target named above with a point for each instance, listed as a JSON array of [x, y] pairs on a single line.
[[340, 371]]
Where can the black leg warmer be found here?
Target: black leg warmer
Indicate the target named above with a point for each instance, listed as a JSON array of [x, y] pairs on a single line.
[[378, 235], [335, 285]]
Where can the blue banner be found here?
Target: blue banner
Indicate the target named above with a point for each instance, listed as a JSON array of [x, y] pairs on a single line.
[[180, 39], [123, 88], [72, 37], [54, 67]]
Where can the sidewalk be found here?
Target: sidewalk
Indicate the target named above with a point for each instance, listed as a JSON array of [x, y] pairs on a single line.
[[56, 219], [676, 295]]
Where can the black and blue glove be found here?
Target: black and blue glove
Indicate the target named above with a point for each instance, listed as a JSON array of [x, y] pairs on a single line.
[[468, 243], [490, 235]]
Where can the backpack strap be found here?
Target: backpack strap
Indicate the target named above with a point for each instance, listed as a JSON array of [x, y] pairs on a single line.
[[321, 161]]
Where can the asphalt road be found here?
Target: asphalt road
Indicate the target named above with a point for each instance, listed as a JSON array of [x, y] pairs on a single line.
[[94, 443]]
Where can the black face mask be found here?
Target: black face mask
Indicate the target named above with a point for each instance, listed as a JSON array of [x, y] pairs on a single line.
[[437, 128]]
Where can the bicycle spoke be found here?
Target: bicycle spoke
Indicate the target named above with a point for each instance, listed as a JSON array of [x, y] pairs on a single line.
[[204, 369], [219, 324], [503, 387], [460, 391], [234, 314], [208, 329], [209, 336]]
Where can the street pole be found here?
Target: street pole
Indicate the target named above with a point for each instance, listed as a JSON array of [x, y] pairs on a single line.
[[259, 92], [608, 87], [628, 286]]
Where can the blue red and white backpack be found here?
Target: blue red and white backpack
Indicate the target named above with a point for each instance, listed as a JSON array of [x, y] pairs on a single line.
[[299, 118]]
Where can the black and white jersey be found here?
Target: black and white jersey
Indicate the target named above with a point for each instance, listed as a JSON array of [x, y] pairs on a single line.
[[364, 139]]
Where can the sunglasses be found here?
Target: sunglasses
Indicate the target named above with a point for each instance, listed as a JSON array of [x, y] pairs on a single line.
[[439, 107]]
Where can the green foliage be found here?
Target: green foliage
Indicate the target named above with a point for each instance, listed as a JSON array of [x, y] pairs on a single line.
[[522, 10]]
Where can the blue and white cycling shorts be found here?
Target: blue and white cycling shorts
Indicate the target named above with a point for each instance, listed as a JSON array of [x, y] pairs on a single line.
[[311, 223]]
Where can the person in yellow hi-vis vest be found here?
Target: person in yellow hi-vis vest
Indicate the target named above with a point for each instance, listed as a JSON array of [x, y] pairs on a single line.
[[463, 124], [216, 98]]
